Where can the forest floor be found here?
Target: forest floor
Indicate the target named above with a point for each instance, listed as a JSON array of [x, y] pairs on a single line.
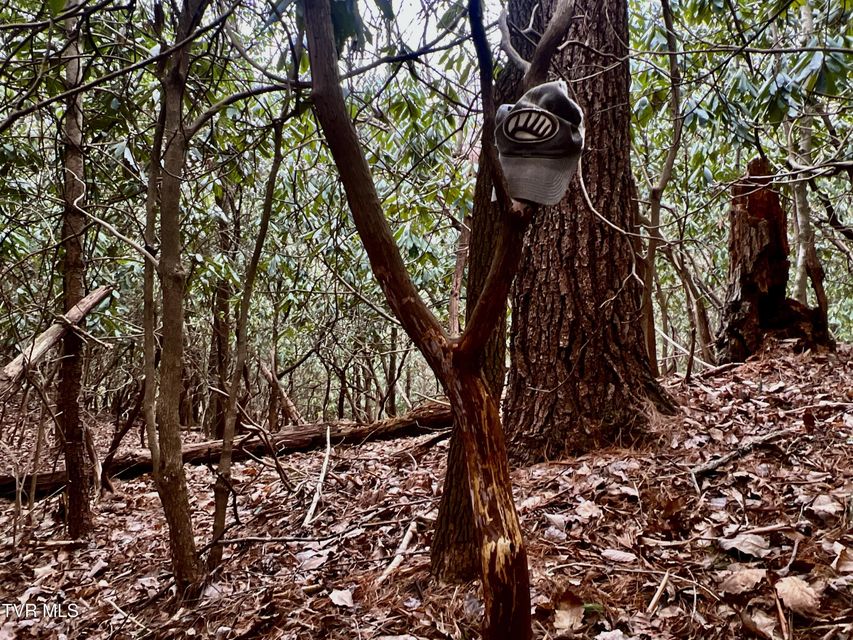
[[639, 543]]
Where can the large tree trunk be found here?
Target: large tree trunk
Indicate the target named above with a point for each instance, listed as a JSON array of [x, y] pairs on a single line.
[[756, 302], [73, 271], [580, 371]]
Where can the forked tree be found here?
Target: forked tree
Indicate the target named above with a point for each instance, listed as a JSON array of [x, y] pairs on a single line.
[[456, 362], [453, 550]]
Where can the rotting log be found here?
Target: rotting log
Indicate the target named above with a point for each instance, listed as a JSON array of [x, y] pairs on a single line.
[[426, 418], [32, 355]]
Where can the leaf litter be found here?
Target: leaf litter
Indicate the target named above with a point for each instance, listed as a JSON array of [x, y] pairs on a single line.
[[667, 539]]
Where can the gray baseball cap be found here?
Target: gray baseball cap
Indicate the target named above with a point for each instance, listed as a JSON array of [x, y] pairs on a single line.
[[539, 140]]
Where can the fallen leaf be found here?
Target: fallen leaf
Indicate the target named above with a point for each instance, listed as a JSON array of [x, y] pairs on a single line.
[[568, 612], [825, 506], [557, 519], [843, 562], [742, 580], [797, 595], [342, 598], [588, 509], [748, 543], [619, 556]]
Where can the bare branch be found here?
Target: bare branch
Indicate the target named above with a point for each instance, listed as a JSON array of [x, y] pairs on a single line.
[[506, 44], [554, 34]]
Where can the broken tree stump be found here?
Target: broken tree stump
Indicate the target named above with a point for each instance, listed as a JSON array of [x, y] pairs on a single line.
[[756, 302]]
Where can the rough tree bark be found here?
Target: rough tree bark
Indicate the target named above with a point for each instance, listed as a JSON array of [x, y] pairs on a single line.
[[756, 304], [580, 372], [170, 477], [79, 513]]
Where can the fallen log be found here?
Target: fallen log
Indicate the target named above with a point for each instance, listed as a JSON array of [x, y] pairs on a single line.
[[423, 419], [32, 354]]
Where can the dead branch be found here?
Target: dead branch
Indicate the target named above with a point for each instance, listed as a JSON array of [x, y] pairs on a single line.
[[32, 355]]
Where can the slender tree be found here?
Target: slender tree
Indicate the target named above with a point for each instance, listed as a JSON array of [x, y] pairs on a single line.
[[73, 272], [222, 488], [169, 475]]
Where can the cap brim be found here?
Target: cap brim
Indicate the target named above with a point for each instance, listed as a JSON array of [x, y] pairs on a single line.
[[540, 180]]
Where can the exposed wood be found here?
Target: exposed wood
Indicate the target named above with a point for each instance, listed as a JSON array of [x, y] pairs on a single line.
[[32, 355], [456, 363], [756, 303], [426, 418]]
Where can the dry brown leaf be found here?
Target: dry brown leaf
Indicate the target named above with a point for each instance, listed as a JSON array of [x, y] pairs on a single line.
[[797, 595], [342, 598], [568, 616], [588, 509], [619, 556], [742, 580], [748, 543], [843, 562], [825, 506]]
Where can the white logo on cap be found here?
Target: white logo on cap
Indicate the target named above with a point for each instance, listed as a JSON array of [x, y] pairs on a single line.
[[530, 126]]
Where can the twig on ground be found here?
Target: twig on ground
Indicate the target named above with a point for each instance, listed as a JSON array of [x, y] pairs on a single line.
[[783, 622], [127, 615], [319, 491], [398, 555], [659, 593], [741, 451]]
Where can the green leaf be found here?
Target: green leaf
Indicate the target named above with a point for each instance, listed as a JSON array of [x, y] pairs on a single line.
[[55, 6], [451, 16]]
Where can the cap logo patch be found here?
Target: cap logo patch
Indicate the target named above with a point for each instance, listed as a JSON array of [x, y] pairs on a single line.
[[530, 126]]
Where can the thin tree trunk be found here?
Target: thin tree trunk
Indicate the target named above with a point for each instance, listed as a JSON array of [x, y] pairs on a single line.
[[458, 275], [656, 194], [222, 488], [457, 363], [220, 348], [171, 483], [149, 304], [73, 267]]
